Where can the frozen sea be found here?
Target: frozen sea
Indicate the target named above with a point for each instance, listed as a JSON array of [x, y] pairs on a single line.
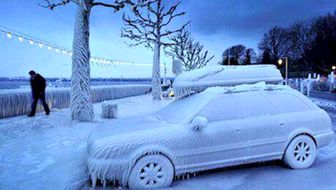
[[24, 83]]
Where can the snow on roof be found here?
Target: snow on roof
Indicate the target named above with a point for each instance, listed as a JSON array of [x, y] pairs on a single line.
[[200, 79], [260, 86]]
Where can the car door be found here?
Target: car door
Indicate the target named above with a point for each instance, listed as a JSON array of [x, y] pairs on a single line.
[[266, 126], [221, 143]]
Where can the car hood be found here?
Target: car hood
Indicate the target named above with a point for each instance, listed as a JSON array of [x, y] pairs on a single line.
[[124, 127]]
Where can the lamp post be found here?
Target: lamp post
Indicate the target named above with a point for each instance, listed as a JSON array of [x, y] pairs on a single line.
[[286, 72]]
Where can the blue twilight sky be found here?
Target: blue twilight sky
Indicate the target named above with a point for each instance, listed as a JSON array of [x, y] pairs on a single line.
[[215, 23]]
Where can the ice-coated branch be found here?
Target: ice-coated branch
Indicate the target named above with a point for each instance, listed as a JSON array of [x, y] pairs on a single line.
[[146, 25], [117, 5], [188, 51], [51, 6], [148, 22], [170, 32]]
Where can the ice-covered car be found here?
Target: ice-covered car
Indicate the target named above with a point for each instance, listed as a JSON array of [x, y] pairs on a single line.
[[222, 126]]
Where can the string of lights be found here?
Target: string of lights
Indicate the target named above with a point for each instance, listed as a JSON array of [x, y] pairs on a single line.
[[24, 38]]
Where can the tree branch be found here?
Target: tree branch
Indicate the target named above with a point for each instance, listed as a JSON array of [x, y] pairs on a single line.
[[51, 6]]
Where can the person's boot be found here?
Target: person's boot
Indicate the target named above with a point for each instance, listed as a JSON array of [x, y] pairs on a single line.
[[31, 115], [47, 112]]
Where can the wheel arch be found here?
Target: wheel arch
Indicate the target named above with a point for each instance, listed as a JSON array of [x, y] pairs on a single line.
[[144, 151], [296, 133]]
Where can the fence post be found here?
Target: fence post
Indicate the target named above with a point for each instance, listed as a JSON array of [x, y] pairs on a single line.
[[308, 84], [308, 88], [332, 81]]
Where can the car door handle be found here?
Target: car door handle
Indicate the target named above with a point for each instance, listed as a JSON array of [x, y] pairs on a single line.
[[281, 124]]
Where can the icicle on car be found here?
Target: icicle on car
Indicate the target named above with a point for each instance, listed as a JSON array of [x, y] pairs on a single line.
[[150, 152]]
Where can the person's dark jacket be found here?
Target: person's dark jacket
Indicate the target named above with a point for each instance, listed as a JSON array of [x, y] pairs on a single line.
[[38, 85]]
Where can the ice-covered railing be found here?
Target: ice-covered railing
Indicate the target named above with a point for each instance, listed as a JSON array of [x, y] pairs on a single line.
[[200, 79], [18, 101]]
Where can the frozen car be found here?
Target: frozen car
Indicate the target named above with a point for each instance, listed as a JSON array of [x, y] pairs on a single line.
[[213, 129]]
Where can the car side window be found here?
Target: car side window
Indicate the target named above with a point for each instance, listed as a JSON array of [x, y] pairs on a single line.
[[222, 108], [287, 103], [256, 105]]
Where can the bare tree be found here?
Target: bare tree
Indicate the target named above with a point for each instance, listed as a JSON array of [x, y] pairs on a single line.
[[148, 25], [300, 39], [81, 105], [275, 43], [235, 54], [249, 57], [189, 51]]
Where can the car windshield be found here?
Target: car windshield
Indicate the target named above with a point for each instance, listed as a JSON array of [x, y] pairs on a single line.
[[181, 111]]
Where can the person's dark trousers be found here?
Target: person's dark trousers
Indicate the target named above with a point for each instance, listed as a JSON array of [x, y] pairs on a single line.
[[40, 96]]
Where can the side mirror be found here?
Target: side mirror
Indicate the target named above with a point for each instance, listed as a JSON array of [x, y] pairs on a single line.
[[198, 123]]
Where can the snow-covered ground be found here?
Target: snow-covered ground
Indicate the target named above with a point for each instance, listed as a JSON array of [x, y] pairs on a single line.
[[49, 152]]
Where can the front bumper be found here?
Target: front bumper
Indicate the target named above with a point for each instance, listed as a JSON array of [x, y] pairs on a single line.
[[109, 170]]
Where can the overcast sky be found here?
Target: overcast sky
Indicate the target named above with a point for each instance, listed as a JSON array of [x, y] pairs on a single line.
[[215, 23]]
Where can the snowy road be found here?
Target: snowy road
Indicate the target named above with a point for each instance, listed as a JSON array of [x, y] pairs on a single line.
[[49, 153]]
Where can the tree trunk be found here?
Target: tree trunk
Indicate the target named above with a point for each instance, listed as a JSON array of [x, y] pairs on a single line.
[[81, 104], [156, 79]]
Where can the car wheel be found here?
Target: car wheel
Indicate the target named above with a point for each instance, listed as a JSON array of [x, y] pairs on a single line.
[[151, 171], [300, 153]]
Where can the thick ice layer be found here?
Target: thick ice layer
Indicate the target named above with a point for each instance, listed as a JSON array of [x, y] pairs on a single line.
[[246, 123], [200, 79], [18, 101]]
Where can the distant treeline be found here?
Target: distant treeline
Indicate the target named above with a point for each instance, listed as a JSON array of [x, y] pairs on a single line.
[[310, 46]]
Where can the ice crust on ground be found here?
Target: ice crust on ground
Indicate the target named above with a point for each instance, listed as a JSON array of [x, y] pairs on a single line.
[[200, 79], [50, 152]]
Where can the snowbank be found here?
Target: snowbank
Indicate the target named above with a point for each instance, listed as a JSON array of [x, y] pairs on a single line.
[[200, 79], [17, 101]]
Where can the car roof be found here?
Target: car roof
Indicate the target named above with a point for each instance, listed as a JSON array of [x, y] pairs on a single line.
[[255, 90], [247, 88]]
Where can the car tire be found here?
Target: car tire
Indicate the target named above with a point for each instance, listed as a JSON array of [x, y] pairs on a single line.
[[151, 171], [300, 153]]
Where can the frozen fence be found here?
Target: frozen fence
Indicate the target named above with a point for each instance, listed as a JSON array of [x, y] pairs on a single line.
[[18, 101]]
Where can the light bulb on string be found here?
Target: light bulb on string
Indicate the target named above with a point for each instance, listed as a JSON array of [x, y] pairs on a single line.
[[20, 39], [40, 45], [57, 50], [31, 42], [64, 52], [9, 35], [49, 48]]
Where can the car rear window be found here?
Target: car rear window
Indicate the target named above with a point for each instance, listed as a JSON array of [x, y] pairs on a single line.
[[255, 104], [287, 103]]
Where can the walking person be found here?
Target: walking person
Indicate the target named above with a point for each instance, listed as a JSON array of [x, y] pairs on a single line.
[[38, 86]]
